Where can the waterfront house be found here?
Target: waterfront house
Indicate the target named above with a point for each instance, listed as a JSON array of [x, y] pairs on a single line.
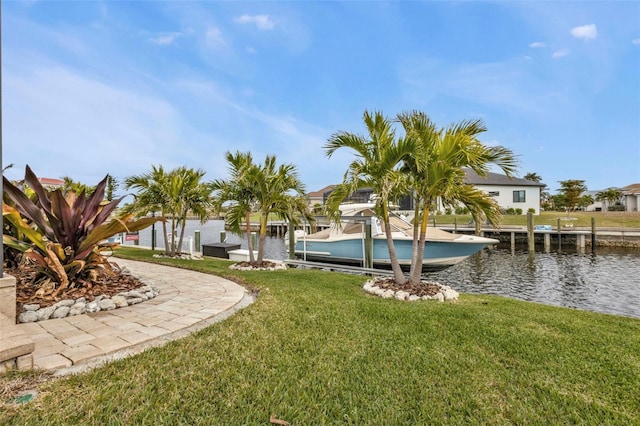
[[509, 193], [631, 196]]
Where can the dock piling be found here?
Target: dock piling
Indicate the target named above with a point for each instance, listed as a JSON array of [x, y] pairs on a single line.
[[531, 237]]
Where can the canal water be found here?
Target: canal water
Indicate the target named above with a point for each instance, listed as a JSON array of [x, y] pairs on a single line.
[[608, 281]]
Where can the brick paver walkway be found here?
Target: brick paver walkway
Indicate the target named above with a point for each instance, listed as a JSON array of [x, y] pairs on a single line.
[[188, 301]]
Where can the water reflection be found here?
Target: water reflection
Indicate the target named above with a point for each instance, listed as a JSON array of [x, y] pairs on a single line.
[[608, 281]]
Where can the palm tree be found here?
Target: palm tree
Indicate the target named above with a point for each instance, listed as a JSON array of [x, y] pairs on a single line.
[[239, 191], [378, 156], [176, 194], [187, 195], [436, 169], [77, 187], [279, 190], [151, 197], [609, 196], [265, 188]]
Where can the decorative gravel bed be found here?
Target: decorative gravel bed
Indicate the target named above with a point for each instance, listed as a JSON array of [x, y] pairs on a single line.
[[387, 288]]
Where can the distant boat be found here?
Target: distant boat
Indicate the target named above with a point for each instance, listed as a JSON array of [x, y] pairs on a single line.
[[345, 244]]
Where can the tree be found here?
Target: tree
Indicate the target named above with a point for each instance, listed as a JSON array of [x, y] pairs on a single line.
[[609, 196], [175, 194], [279, 190], [265, 188], [436, 168], [60, 233], [544, 192], [377, 166], [585, 201], [187, 195], [572, 191], [239, 191], [112, 186], [77, 187], [533, 177], [151, 196]]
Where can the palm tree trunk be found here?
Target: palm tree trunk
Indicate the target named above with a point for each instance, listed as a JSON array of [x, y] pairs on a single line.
[[263, 236], [184, 221], [173, 236], [416, 262], [247, 221], [398, 275], [414, 244], [166, 237]]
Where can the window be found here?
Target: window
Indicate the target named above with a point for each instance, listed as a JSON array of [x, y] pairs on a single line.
[[518, 196], [494, 193]]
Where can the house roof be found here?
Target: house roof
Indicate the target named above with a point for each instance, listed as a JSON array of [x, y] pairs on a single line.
[[51, 181], [634, 188], [320, 193], [497, 179]]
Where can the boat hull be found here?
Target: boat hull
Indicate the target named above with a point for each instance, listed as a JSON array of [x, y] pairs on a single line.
[[438, 255]]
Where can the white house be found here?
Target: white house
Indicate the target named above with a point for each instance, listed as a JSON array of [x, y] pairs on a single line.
[[516, 193], [631, 195]]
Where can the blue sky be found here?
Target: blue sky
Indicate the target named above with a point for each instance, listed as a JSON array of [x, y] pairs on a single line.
[[90, 88]]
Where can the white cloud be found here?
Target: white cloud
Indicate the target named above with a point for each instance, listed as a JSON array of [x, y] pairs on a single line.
[[164, 39], [503, 84], [214, 37], [263, 22], [537, 44], [636, 41], [560, 53], [62, 115], [585, 32]]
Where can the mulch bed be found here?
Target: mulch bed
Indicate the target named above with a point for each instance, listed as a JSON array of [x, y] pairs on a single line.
[[425, 288], [106, 284]]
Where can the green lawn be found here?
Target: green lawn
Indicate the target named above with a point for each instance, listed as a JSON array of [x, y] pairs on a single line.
[[578, 219], [315, 349]]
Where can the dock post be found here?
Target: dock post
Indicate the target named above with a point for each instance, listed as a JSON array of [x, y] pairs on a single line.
[[455, 225], [530, 234], [292, 241], [368, 246], [593, 235], [513, 241], [580, 242], [223, 236], [559, 236], [196, 237], [547, 242]]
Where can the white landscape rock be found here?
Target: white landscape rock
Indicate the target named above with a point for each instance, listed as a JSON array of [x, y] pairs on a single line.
[[402, 295], [61, 312], [450, 294], [388, 294], [444, 292], [106, 304], [28, 316], [120, 301], [438, 296], [68, 307]]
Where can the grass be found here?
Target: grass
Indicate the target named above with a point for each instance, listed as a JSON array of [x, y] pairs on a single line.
[[315, 349], [578, 219]]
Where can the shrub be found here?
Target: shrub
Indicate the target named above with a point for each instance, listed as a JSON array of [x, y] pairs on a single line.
[[61, 234], [518, 211]]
